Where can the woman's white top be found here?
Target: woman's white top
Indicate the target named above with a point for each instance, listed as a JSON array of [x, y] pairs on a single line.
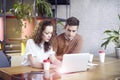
[[35, 51]]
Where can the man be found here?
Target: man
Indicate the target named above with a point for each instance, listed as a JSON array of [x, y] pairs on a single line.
[[68, 42]]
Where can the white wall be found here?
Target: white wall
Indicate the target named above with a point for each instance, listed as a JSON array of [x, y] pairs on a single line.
[[95, 16]]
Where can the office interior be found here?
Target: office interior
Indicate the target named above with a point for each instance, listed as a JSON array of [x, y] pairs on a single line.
[[95, 17]]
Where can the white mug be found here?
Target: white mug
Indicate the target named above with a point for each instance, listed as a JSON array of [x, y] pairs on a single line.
[[102, 56], [91, 57], [46, 64]]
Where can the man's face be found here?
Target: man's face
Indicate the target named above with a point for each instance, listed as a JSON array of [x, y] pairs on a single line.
[[70, 31]]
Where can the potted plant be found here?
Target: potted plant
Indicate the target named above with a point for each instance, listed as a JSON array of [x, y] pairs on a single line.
[[44, 8], [114, 37], [22, 12]]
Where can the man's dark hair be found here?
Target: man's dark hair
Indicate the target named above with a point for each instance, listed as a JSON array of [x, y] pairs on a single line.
[[72, 21]]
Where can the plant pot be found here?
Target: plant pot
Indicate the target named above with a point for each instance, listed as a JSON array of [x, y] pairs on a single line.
[[27, 28], [117, 52]]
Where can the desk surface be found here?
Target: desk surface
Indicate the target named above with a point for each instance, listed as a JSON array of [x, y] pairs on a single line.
[[103, 71]]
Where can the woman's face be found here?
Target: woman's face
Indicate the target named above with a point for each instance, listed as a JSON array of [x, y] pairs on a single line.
[[47, 33]]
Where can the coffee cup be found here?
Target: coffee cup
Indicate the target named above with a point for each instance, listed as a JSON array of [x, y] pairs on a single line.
[[102, 56], [46, 64]]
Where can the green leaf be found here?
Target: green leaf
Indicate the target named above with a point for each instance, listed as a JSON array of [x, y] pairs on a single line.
[[104, 44], [119, 16], [44, 8], [107, 31]]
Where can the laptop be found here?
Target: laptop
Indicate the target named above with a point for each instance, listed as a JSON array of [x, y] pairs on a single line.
[[74, 62]]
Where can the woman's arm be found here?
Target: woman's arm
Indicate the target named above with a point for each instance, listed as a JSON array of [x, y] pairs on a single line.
[[34, 63], [54, 60]]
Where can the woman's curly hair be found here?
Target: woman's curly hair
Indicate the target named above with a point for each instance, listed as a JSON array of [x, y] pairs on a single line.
[[37, 37]]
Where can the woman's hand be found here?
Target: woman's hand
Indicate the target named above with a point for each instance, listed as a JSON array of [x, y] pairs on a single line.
[[55, 66], [55, 62]]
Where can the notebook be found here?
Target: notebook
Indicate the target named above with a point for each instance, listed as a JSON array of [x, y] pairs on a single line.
[[74, 62]]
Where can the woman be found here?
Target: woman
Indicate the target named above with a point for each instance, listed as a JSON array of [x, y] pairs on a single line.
[[39, 48]]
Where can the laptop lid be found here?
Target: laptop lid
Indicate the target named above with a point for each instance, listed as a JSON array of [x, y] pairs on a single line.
[[74, 62]]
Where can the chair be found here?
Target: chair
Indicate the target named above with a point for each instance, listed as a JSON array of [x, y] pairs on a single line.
[[16, 60], [3, 60]]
